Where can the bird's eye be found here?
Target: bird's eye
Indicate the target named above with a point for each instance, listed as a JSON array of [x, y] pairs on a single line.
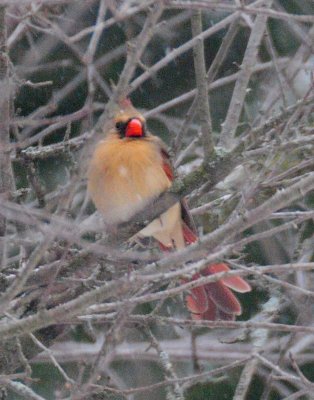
[[119, 125]]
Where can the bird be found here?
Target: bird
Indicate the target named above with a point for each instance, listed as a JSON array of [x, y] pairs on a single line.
[[129, 168]]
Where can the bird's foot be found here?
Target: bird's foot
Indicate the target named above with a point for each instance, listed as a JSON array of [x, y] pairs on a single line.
[[138, 241]]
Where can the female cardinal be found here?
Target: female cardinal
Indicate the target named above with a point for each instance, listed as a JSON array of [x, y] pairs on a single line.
[[130, 168]]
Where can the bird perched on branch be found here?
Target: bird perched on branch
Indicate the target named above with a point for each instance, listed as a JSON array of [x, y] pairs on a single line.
[[129, 169]]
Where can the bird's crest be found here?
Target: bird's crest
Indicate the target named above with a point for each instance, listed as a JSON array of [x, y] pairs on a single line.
[[126, 110], [125, 102]]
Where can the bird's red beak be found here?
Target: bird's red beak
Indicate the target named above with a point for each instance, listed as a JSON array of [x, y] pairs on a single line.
[[134, 128]]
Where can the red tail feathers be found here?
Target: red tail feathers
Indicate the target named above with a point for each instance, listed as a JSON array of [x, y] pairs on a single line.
[[215, 300]]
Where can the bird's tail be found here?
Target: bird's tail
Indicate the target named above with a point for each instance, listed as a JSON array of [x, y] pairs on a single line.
[[215, 300]]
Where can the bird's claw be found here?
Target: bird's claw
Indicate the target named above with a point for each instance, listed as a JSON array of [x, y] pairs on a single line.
[[137, 241]]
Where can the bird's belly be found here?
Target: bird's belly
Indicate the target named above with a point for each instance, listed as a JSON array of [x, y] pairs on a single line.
[[125, 176], [115, 211], [120, 195]]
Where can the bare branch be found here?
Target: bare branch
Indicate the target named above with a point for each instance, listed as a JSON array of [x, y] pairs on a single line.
[[6, 173], [201, 82], [230, 125]]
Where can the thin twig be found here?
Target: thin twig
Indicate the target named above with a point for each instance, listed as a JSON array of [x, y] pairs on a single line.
[[202, 89], [259, 338], [174, 391], [6, 174], [230, 124], [135, 51]]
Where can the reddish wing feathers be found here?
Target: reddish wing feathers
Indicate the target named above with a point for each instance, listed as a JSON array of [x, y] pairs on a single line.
[[186, 217], [167, 165], [214, 300]]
